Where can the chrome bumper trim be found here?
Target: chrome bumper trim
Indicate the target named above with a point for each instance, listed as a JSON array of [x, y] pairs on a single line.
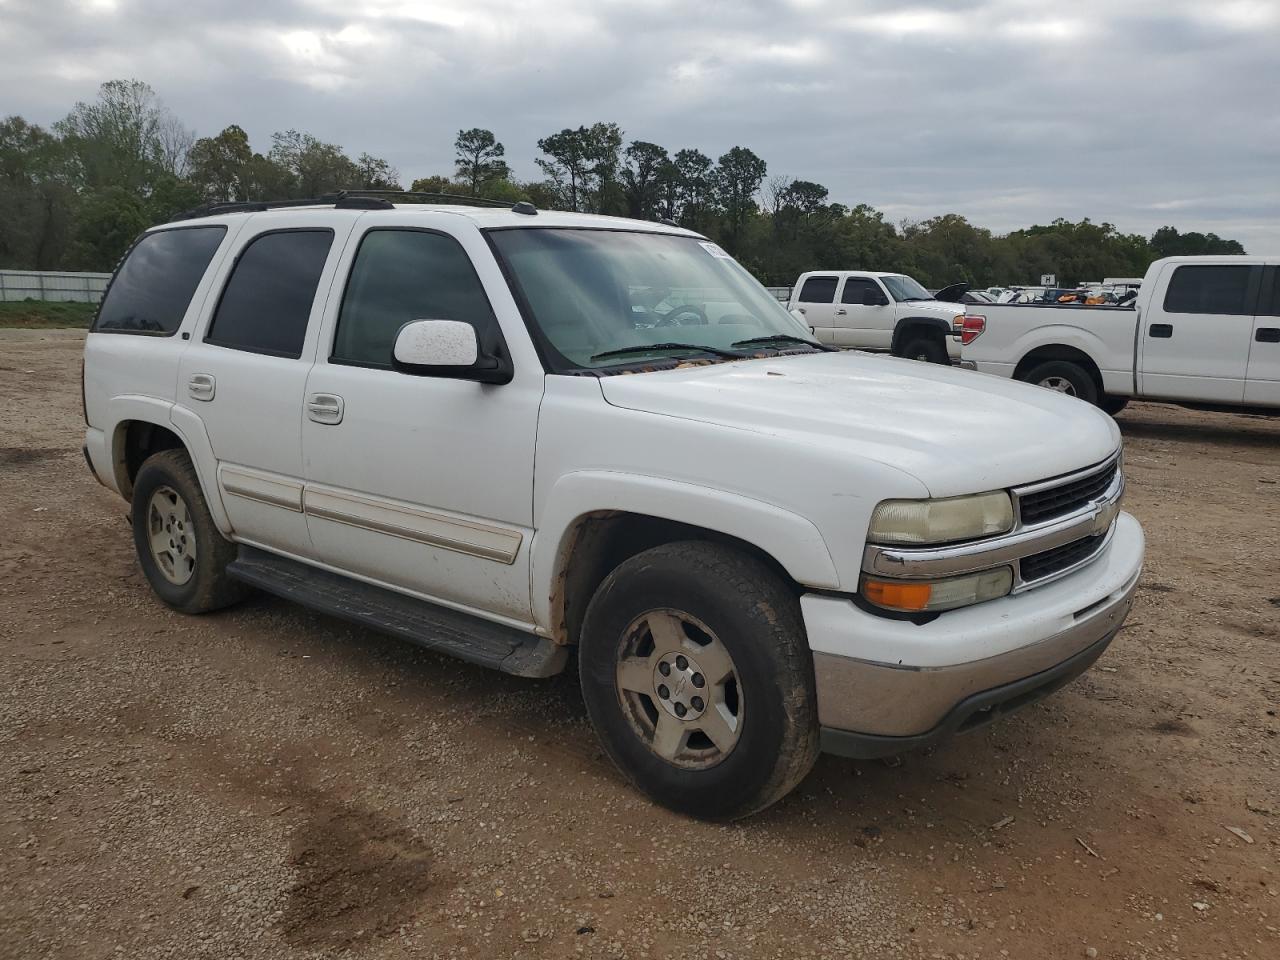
[[927, 563], [894, 700]]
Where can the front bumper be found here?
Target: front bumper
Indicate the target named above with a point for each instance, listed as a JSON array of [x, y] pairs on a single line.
[[885, 685]]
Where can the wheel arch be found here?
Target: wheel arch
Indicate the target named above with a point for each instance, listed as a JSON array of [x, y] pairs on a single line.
[[575, 549], [143, 426], [1061, 352], [908, 327]]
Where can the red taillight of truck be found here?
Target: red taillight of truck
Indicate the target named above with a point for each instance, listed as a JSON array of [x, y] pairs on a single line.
[[971, 327]]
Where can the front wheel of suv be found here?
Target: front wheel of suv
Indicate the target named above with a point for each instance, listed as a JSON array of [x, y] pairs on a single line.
[[698, 679]]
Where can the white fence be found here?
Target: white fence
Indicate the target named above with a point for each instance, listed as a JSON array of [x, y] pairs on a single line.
[[49, 285]]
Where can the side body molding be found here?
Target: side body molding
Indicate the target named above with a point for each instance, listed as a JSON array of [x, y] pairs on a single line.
[[789, 538]]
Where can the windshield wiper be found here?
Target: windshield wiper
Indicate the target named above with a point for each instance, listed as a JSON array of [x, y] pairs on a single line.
[[782, 338], [647, 347]]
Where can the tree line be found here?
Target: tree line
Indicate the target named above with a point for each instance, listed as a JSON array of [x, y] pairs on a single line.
[[74, 196]]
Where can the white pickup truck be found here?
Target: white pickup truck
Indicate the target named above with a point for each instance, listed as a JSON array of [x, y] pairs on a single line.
[[1204, 332], [879, 312], [501, 433]]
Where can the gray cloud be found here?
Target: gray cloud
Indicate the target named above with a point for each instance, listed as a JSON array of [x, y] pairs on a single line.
[[1008, 111]]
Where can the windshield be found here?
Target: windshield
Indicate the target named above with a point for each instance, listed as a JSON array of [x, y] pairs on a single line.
[[594, 292], [904, 288]]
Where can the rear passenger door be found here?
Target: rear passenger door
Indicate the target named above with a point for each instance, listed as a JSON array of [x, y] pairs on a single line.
[[1262, 384], [421, 483], [867, 326], [245, 370], [1196, 333], [817, 302]]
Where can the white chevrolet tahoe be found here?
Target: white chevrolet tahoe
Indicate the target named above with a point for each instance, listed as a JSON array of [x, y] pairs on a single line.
[[879, 312], [503, 433], [1203, 332]]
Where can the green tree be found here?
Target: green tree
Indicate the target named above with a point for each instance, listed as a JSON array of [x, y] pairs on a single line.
[[38, 198], [583, 164], [316, 168], [220, 166], [125, 138], [641, 178], [478, 158], [738, 178]]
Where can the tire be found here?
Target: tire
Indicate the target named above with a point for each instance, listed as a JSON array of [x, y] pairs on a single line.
[[691, 605], [1113, 405], [927, 349], [187, 565], [1065, 377]]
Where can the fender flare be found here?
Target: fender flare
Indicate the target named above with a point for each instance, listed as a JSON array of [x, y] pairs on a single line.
[[899, 329], [790, 539], [188, 428]]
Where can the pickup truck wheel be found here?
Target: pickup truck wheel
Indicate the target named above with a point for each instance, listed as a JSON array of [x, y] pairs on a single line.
[[928, 349], [698, 679], [1065, 377], [182, 553]]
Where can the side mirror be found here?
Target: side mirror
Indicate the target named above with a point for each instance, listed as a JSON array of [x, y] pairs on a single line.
[[873, 298], [446, 348]]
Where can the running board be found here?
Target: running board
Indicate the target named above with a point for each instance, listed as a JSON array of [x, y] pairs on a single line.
[[429, 625]]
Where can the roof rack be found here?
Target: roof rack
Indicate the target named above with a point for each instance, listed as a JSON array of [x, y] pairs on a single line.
[[347, 200], [448, 197]]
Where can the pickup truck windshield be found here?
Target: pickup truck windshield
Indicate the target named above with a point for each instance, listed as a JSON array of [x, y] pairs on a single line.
[[604, 298], [904, 289]]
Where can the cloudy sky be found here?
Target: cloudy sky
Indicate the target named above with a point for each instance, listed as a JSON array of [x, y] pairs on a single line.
[[1139, 112]]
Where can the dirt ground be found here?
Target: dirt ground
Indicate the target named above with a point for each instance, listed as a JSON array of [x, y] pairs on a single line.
[[265, 782]]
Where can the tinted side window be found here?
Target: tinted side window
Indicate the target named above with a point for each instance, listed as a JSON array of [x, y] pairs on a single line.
[[1221, 290], [818, 290], [266, 303], [151, 291], [855, 287], [1269, 305], [404, 275]]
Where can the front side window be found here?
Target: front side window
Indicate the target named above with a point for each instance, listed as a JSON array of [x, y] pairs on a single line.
[[855, 290], [404, 275], [818, 290], [153, 287], [1221, 290], [591, 293], [904, 289], [267, 302]]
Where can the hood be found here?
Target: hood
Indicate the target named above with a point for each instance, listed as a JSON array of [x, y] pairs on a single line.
[[953, 293], [956, 431]]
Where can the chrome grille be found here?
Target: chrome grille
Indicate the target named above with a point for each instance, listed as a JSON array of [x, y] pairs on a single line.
[[1043, 505], [1048, 562]]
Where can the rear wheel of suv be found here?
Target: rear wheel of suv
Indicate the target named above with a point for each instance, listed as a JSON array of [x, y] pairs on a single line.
[[181, 551], [928, 349], [698, 679], [1065, 377]]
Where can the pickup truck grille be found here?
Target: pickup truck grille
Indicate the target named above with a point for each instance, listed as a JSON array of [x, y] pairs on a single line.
[[1059, 501], [1045, 564]]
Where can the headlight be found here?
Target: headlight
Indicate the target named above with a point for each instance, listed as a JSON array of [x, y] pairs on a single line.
[[941, 521], [928, 596]]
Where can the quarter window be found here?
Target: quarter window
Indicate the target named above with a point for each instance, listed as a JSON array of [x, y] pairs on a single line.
[[267, 302], [152, 289], [405, 275], [818, 290], [1222, 290]]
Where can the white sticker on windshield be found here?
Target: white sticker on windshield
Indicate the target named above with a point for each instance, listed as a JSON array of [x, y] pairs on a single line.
[[714, 250]]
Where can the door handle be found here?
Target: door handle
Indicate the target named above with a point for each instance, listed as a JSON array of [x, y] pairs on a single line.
[[842, 312], [201, 386], [1268, 335], [325, 408], [1161, 331], [801, 309]]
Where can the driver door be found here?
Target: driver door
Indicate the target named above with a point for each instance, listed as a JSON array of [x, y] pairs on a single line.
[[865, 317], [420, 483], [817, 303]]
